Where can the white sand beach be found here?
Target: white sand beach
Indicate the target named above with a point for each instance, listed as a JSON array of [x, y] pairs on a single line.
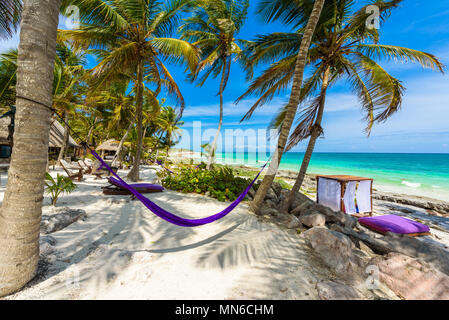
[[123, 251]]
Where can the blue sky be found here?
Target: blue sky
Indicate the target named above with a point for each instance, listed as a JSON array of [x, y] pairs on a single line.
[[420, 126]]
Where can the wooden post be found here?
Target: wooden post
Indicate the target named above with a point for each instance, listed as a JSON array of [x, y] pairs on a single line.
[[371, 213], [342, 202]]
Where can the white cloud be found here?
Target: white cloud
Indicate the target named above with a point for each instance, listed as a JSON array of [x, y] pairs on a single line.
[[231, 109], [11, 43]]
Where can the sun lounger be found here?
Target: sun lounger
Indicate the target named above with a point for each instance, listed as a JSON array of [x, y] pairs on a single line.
[[117, 188], [72, 171], [89, 169], [395, 224], [85, 167]]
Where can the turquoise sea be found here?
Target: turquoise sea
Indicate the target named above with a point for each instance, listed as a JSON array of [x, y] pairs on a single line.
[[417, 174]]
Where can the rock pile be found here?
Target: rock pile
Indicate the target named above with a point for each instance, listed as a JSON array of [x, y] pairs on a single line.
[[409, 268]]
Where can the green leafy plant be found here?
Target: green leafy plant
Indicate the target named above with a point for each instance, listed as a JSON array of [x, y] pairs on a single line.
[[55, 187], [219, 183]]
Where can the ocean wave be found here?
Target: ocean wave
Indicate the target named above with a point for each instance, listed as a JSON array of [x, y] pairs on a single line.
[[411, 184]]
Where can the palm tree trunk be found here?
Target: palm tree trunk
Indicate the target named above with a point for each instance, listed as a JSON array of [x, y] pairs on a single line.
[[90, 133], [134, 173], [65, 140], [316, 132], [292, 106], [122, 142], [21, 211], [226, 68]]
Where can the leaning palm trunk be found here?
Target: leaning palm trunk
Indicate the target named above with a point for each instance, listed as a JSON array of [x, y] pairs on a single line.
[[226, 70], [134, 173], [315, 133], [65, 141], [292, 106], [91, 130], [118, 153], [22, 205]]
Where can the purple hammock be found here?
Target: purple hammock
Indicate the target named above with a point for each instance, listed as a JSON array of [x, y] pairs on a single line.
[[170, 217]]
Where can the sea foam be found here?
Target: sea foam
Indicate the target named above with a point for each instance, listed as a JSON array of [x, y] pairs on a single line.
[[411, 184]]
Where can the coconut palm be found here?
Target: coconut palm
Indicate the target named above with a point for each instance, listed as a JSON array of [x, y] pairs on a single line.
[[343, 48], [10, 13], [8, 69], [213, 28], [68, 87], [134, 38], [308, 24], [22, 205], [169, 125]]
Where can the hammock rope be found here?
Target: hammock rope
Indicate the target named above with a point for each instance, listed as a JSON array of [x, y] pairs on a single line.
[[153, 207], [170, 217]]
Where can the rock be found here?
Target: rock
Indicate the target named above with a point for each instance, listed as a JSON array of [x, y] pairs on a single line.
[[363, 247], [361, 258], [415, 201], [313, 220], [301, 200], [61, 220], [412, 247], [411, 278], [301, 209], [334, 248], [46, 245], [329, 290], [269, 211], [271, 195], [271, 204], [283, 195], [293, 222], [277, 188], [341, 218]]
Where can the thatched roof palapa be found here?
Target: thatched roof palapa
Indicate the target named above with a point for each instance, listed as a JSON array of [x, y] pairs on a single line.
[[109, 145], [56, 134]]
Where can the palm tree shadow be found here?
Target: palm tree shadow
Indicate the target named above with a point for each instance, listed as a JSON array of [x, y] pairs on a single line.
[[197, 244]]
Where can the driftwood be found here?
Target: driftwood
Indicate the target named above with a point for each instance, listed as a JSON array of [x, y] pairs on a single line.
[[59, 221], [406, 245]]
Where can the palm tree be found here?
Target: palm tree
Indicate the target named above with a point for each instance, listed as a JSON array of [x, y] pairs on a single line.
[[68, 87], [295, 97], [169, 125], [10, 14], [339, 51], [134, 39], [118, 109], [8, 70], [22, 205], [213, 28]]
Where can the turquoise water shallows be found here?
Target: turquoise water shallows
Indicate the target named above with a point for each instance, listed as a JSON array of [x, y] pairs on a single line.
[[416, 174]]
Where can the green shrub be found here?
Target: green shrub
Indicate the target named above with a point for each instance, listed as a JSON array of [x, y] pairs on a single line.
[[56, 187], [219, 183]]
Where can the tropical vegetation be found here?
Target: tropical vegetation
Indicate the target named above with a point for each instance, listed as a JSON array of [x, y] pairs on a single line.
[[130, 95], [221, 183], [344, 48], [212, 29], [58, 186]]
